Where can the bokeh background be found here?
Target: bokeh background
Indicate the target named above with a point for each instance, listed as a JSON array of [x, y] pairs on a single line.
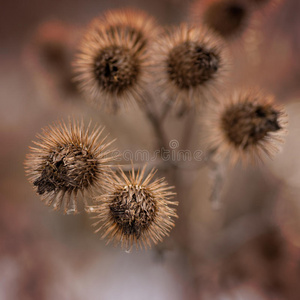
[[249, 249]]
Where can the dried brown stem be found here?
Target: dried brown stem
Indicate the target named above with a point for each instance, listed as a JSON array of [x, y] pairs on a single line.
[[148, 106], [188, 130]]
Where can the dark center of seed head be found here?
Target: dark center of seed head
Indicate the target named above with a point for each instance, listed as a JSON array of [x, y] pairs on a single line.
[[133, 210], [116, 69], [246, 124], [67, 168], [190, 65]]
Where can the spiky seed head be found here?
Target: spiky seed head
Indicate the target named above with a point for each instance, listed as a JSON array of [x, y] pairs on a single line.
[[187, 75], [228, 18], [246, 126], [113, 60], [116, 62], [68, 159], [134, 210], [190, 64]]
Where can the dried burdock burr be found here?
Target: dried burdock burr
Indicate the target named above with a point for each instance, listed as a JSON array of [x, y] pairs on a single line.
[[228, 18], [190, 64], [113, 60], [245, 126], [134, 210], [68, 159]]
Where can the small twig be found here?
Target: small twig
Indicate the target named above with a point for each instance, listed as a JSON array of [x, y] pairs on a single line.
[[188, 130], [182, 110], [165, 110], [217, 170], [148, 107]]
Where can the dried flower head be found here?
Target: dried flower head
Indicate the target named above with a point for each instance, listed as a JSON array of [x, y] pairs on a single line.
[[112, 65], [134, 210], [190, 64], [68, 159], [246, 126], [229, 18]]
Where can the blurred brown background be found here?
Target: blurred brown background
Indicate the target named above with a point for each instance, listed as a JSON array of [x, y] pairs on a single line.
[[250, 249]]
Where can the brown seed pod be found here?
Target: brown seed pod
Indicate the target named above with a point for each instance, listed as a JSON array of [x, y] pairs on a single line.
[[247, 126], [68, 159], [134, 210], [228, 18], [112, 66], [190, 64]]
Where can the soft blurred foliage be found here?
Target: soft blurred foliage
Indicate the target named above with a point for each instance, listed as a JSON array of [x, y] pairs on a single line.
[[249, 249]]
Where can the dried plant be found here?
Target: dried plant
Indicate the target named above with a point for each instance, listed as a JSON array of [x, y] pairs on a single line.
[[190, 64], [68, 159], [112, 66], [134, 210], [246, 126], [124, 57]]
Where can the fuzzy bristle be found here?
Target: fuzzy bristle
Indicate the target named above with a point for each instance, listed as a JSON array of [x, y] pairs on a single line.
[[190, 64], [68, 159], [113, 63], [116, 69], [245, 126], [134, 210]]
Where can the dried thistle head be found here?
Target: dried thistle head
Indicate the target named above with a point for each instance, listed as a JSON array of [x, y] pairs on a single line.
[[246, 126], [112, 66], [134, 210], [190, 64], [68, 159], [228, 18]]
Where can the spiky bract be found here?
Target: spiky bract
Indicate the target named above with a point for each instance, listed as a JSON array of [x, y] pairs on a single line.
[[134, 210], [112, 66], [190, 64], [67, 159], [246, 126]]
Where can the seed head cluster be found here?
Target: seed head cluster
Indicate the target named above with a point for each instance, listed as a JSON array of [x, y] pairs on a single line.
[[245, 126], [121, 53], [112, 64], [190, 63], [68, 159], [134, 210]]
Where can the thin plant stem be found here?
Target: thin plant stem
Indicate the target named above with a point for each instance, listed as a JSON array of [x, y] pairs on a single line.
[[149, 108], [165, 110], [188, 130]]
